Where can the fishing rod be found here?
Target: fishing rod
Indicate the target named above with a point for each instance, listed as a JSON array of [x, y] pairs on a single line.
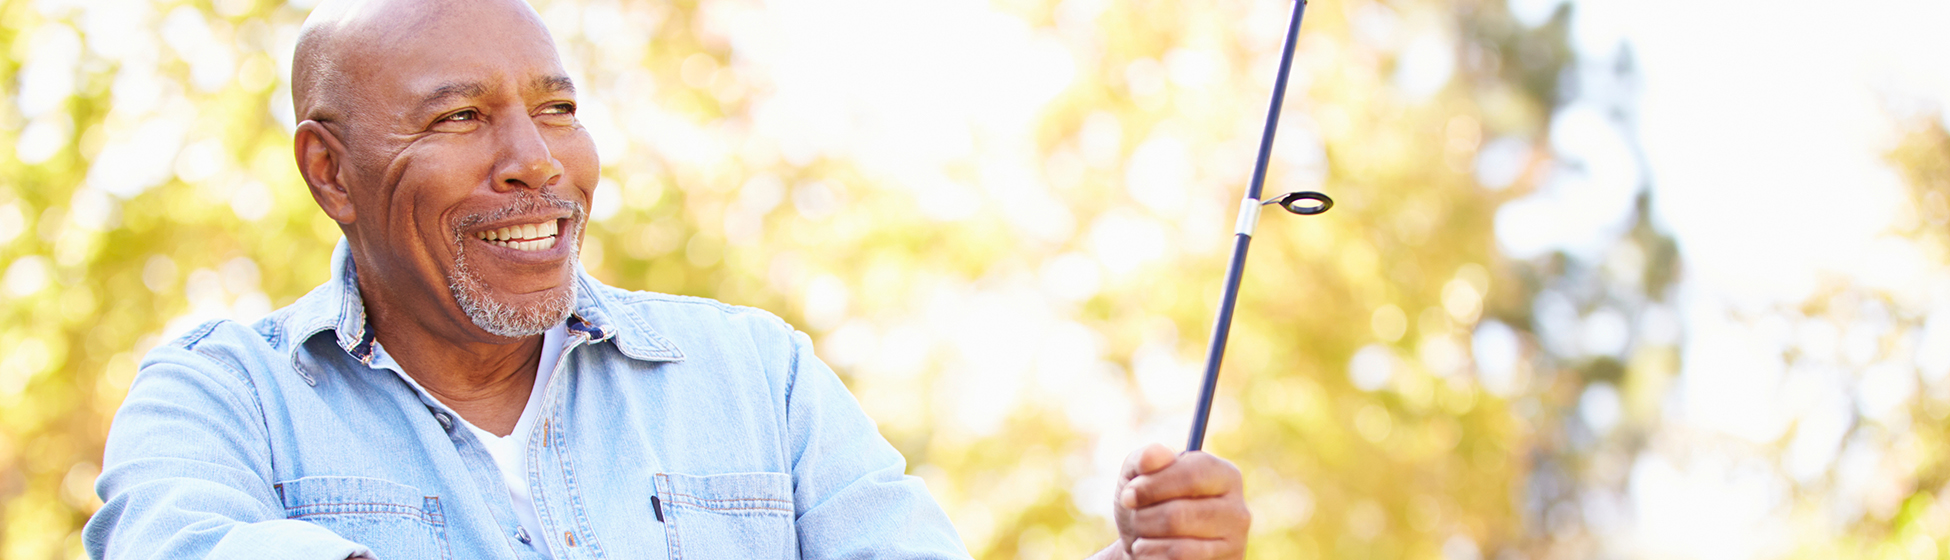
[[1305, 203]]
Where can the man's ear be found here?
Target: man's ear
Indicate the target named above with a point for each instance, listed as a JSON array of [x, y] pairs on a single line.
[[321, 157]]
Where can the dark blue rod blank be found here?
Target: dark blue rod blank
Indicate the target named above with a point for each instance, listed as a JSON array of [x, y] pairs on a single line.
[[1241, 240]]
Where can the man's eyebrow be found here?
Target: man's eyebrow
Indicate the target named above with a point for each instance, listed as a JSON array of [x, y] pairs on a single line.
[[452, 90], [553, 84]]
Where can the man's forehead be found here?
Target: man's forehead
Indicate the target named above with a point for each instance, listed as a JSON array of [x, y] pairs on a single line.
[[465, 50], [433, 35]]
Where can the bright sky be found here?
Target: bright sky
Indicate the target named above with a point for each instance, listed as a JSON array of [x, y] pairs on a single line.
[[1765, 124]]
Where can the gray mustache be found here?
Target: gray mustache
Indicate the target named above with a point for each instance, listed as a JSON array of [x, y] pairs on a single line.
[[526, 202]]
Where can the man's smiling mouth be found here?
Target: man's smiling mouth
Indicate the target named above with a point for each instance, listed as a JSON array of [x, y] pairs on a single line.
[[522, 237]]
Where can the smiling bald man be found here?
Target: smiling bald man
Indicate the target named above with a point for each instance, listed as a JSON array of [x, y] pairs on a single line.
[[460, 388]]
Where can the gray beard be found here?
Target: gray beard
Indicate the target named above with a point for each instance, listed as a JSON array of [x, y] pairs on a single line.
[[500, 318]]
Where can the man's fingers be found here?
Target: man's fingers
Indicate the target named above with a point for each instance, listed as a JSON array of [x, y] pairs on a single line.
[[1147, 459], [1210, 518], [1184, 506], [1193, 475], [1175, 549]]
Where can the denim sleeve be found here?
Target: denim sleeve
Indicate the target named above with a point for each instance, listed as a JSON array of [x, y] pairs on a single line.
[[853, 495], [187, 472]]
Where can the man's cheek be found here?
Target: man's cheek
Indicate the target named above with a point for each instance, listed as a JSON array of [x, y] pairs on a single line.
[[577, 152]]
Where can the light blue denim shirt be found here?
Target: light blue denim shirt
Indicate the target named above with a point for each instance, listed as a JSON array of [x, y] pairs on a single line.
[[673, 427]]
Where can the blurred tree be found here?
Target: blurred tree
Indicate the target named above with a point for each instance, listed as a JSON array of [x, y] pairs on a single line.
[[1881, 467]]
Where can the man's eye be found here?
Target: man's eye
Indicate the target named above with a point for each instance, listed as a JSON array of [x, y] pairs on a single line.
[[560, 109], [467, 115]]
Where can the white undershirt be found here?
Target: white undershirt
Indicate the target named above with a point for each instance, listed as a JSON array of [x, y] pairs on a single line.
[[510, 453]]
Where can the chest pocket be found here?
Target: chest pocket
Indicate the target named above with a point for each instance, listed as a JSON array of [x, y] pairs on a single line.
[[396, 521], [742, 515]]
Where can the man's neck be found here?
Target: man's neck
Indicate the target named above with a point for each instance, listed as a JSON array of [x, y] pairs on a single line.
[[486, 381], [488, 385]]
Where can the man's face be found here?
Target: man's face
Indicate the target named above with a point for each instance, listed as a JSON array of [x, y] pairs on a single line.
[[468, 170]]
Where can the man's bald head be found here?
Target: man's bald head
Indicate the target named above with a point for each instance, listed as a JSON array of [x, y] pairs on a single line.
[[343, 40]]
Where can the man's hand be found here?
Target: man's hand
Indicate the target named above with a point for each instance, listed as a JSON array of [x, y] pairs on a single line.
[[1190, 506]]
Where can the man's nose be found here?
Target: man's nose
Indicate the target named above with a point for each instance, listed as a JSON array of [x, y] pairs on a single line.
[[525, 160]]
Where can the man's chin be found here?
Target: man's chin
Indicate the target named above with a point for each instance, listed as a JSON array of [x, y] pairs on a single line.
[[513, 315], [522, 319]]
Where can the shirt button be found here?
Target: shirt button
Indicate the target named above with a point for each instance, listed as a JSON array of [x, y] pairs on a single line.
[[446, 421], [521, 534]]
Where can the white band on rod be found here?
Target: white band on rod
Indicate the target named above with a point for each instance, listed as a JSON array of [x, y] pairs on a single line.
[[1248, 217]]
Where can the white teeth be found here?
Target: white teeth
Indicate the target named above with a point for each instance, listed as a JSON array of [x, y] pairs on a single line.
[[525, 237]]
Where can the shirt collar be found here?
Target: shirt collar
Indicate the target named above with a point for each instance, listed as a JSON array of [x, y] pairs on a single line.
[[337, 306]]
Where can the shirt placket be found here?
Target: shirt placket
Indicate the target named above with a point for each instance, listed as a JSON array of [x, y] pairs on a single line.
[[551, 476], [480, 464]]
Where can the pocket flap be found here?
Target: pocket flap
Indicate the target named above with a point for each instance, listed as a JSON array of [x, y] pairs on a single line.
[[318, 495], [731, 494]]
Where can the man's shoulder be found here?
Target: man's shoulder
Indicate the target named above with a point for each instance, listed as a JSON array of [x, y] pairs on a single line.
[[685, 325], [656, 309], [244, 348], [230, 346]]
